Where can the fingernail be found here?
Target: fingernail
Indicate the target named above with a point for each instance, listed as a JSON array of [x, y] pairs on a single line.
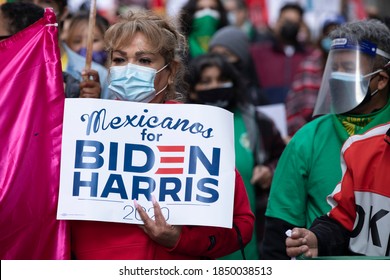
[[135, 203], [154, 201]]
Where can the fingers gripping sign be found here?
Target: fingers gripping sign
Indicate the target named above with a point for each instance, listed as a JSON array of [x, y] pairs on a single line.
[[158, 229]]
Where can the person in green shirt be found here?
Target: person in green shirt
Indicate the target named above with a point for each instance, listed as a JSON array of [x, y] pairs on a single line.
[[353, 98], [258, 144]]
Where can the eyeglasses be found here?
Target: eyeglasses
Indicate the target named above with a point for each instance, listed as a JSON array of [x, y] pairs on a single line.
[[4, 37]]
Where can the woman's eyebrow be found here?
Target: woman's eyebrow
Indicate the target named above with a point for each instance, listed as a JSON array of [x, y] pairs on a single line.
[[141, 53], [123, 53]]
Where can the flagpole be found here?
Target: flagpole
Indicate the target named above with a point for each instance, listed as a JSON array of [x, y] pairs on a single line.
[[91, 27]]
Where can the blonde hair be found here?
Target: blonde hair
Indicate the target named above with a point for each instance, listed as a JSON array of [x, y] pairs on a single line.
[[161, 34]]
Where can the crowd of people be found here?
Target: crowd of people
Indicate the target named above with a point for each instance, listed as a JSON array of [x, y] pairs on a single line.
[[315, 182]]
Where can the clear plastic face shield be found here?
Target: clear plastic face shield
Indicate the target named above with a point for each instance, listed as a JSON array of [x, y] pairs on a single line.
[[347, 75]]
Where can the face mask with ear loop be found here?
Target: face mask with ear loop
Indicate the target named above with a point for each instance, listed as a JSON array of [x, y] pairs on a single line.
[[222, 96], [342, 84], [384, 68], [370, 94], [134, 83]]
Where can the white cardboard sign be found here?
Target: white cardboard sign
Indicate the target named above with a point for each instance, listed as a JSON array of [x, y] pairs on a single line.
[[115, 152]]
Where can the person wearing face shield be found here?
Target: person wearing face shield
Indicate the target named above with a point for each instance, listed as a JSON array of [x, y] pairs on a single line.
[[358, 223], [353, 99]]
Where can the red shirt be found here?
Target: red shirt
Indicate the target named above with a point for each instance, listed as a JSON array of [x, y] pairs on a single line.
[[361, 202], [104, 241]]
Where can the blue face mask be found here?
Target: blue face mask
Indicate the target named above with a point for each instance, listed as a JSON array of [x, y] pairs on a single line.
[[349, 90], [326, 43], [97, 56], [133, 83]]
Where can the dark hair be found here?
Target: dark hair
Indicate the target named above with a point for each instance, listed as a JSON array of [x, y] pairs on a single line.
[[20, 15], [62, 4], [292, 6], [371, 30], [187, 16], [241, 4], [201, 62], [101, 22]]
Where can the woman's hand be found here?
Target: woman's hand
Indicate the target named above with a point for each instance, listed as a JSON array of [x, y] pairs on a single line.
[[158, 229], [90, 85]]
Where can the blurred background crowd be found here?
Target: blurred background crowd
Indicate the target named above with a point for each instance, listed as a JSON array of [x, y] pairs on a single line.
[[250, 54]]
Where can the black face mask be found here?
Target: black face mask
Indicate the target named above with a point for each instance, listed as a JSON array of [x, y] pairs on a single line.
[[289, 32], [220, 97]]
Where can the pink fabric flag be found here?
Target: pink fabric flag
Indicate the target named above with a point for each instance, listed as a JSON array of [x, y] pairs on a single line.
[[31, 113]]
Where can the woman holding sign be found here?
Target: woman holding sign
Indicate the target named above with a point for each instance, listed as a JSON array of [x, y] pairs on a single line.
[[148, 46]]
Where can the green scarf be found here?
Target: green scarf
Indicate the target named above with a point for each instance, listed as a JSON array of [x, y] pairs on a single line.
[[203, 28]]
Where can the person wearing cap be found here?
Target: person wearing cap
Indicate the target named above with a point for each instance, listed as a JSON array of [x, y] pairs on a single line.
[[353, 98], [233, 43], [303, 93]]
